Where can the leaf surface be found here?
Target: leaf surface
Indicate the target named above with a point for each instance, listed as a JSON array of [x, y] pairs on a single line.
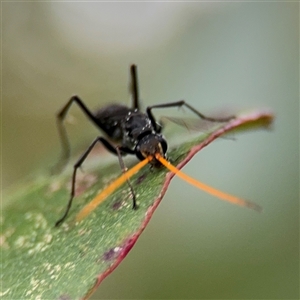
[[40, 261]]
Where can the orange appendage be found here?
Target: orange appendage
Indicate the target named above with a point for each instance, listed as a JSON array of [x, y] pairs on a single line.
[[110, 189], [119, 181], [206, 188]]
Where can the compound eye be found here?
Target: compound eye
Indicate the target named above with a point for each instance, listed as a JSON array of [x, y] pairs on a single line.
[[164, 146], [139, 154]]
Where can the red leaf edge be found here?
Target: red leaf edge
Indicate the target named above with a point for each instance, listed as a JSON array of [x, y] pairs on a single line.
[[266, 117]]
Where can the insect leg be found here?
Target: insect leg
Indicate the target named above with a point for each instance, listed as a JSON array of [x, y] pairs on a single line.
[[134, 87], [121, 151], [124, 169], [62, 130], [180, 104]]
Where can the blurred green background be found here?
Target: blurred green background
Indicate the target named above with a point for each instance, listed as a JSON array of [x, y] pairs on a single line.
[[214, 55]]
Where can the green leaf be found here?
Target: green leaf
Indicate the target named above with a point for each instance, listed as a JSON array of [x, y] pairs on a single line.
[[40, 261]]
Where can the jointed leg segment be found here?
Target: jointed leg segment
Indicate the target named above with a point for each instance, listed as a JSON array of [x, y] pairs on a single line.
[[119, 151], [62, 130], [180, 104]]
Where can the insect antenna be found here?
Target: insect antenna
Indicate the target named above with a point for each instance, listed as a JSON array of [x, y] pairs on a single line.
[[110, 189], [208, 189], [128, 174]]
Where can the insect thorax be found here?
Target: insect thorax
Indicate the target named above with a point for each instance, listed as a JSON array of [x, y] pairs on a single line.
[[135, 126]]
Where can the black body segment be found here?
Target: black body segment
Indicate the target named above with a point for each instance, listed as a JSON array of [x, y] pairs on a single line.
[[136, 132]]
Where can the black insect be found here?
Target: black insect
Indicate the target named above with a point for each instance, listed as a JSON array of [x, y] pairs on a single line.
[[138, 133]]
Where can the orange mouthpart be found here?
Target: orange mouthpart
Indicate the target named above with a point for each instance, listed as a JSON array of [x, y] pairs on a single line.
[[128, 174]]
